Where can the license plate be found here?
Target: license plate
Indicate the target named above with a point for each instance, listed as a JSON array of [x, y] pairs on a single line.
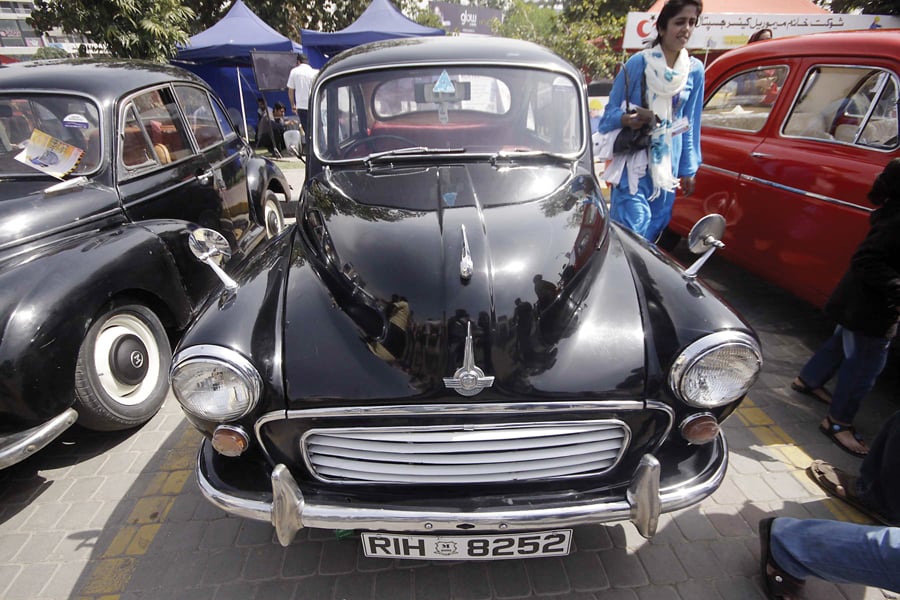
[[466, 547]]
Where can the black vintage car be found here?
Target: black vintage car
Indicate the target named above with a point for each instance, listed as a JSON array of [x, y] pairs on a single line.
[[454, 350], [105, 169]]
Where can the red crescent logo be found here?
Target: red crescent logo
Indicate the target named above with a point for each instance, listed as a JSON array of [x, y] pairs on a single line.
[[643, 26]]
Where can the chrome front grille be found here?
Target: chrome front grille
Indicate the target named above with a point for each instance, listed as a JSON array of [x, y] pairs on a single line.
[[472, 454]]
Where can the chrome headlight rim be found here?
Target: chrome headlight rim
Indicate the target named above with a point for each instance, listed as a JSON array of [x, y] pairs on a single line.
[[227, 358], [699, 349]]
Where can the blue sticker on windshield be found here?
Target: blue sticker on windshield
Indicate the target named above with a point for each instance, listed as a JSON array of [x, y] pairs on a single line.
[[450, 198], [443, 85]]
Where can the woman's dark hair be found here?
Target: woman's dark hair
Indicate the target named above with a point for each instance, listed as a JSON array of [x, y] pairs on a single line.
[[887, 185], [755, 37], [671, 9]]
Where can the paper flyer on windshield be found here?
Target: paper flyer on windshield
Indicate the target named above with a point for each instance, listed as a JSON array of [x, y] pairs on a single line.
[[49, 155]]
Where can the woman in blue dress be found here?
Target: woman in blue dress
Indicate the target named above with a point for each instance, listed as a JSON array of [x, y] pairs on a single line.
[[665, 85]]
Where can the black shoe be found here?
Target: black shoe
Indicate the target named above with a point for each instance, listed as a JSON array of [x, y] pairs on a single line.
[[778, 584]]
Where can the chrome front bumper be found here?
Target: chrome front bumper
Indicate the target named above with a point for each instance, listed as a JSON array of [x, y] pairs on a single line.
[[288, 510], [18, 446]]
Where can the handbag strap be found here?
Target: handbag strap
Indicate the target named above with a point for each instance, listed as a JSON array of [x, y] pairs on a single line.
[[627, 91]]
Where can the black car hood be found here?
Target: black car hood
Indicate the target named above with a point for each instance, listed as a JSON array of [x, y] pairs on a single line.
[[30, 213], [388, 247]]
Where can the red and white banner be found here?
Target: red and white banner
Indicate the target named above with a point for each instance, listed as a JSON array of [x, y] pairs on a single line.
[[723, 31]]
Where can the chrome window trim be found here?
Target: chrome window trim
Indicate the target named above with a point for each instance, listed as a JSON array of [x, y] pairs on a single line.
[[793, 105], [786, 188]]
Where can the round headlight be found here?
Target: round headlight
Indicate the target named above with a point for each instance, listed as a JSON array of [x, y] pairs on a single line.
[[214, 383], [716, 369]]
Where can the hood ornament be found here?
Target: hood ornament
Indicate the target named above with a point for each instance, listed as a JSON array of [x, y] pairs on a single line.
[[466, 268], [468, 379]]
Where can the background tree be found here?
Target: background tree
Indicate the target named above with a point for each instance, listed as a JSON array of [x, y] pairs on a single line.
[[586, 43], [49, 52], [147, 29]]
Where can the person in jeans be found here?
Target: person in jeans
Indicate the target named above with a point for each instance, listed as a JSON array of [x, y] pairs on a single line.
[[866, 306], [793, 550]]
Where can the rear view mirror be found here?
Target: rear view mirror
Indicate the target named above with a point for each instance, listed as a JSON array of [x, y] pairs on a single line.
[[211, 247]]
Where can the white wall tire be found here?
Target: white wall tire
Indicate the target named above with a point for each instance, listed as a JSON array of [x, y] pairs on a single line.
[[122, 372], [272, 217]]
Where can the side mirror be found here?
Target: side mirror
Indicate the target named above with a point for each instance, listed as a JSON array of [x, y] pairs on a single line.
[[704, 238], [211, 247]]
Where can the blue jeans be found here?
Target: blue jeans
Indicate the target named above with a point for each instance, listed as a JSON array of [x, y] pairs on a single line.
[[857, 360], [838, 552]]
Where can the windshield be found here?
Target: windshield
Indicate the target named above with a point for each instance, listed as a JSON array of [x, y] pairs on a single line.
[[63, 133], [475, 109]]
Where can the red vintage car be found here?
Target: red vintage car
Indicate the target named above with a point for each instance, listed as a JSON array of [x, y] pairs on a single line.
[[794, 132]]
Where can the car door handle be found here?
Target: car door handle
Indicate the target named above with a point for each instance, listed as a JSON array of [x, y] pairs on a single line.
[[760, 155], [204, 177]]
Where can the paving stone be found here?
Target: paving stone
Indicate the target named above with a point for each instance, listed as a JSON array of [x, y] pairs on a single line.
[[204, 593], [733, 557], [432, 582], [253, 533], [338, 557], [509, 579], [220, 533], [657, 592], [238, 590], [739, 588], [224, 566], [396, 585], [698, 589], [586, 572], [314, 588], [37, 547], [548, 576], [276, 589], [468, 581], [661, 565], [698, 559], [694, 525], [29, 582], [301, 559], [618, 594], [354, 585], [263, 562], [623, 569]]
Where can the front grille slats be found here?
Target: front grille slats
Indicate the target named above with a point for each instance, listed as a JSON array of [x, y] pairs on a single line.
[[482, 454], [461, 442]]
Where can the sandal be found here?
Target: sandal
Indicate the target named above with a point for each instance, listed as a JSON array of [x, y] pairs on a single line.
[[819, 393], [829, 478], [779, 585], [835, 428]]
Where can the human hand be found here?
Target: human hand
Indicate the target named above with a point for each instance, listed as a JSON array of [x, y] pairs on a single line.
[[637, 117], [687, 185]]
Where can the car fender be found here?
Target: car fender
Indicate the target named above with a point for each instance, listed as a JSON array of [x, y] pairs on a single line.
[[48, 304], [263, 175], [678, 309]]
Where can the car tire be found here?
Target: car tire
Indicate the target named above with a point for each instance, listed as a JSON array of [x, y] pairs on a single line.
[[122, 372], [272, 217]]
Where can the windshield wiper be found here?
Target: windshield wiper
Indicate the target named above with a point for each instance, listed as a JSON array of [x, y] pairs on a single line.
[[411, 151]]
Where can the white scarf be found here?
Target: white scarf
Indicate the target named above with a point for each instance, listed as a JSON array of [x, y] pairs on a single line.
[[663, 83]]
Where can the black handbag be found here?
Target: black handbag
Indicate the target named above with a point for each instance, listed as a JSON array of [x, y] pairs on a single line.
[[632, 140]]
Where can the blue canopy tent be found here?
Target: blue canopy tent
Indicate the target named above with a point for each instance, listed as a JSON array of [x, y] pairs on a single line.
[[221, 57], [380, 21]]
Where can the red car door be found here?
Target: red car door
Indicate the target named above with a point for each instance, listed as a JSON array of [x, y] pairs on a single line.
[[801, 206]]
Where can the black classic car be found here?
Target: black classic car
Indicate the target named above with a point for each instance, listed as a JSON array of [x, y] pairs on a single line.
[[105, 169], [453, 350]]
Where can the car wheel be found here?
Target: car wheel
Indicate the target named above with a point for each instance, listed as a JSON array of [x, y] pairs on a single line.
[[274, 220], [122, 372]]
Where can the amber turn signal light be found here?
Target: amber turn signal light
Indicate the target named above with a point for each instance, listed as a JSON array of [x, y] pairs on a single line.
[[700, 429], [230, 440]]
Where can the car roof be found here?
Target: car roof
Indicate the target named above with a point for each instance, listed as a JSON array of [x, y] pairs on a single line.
[[101, 78], [446, 50], [865, 43]]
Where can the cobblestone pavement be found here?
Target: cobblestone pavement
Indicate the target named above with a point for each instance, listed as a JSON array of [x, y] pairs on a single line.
[[120, 516]]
